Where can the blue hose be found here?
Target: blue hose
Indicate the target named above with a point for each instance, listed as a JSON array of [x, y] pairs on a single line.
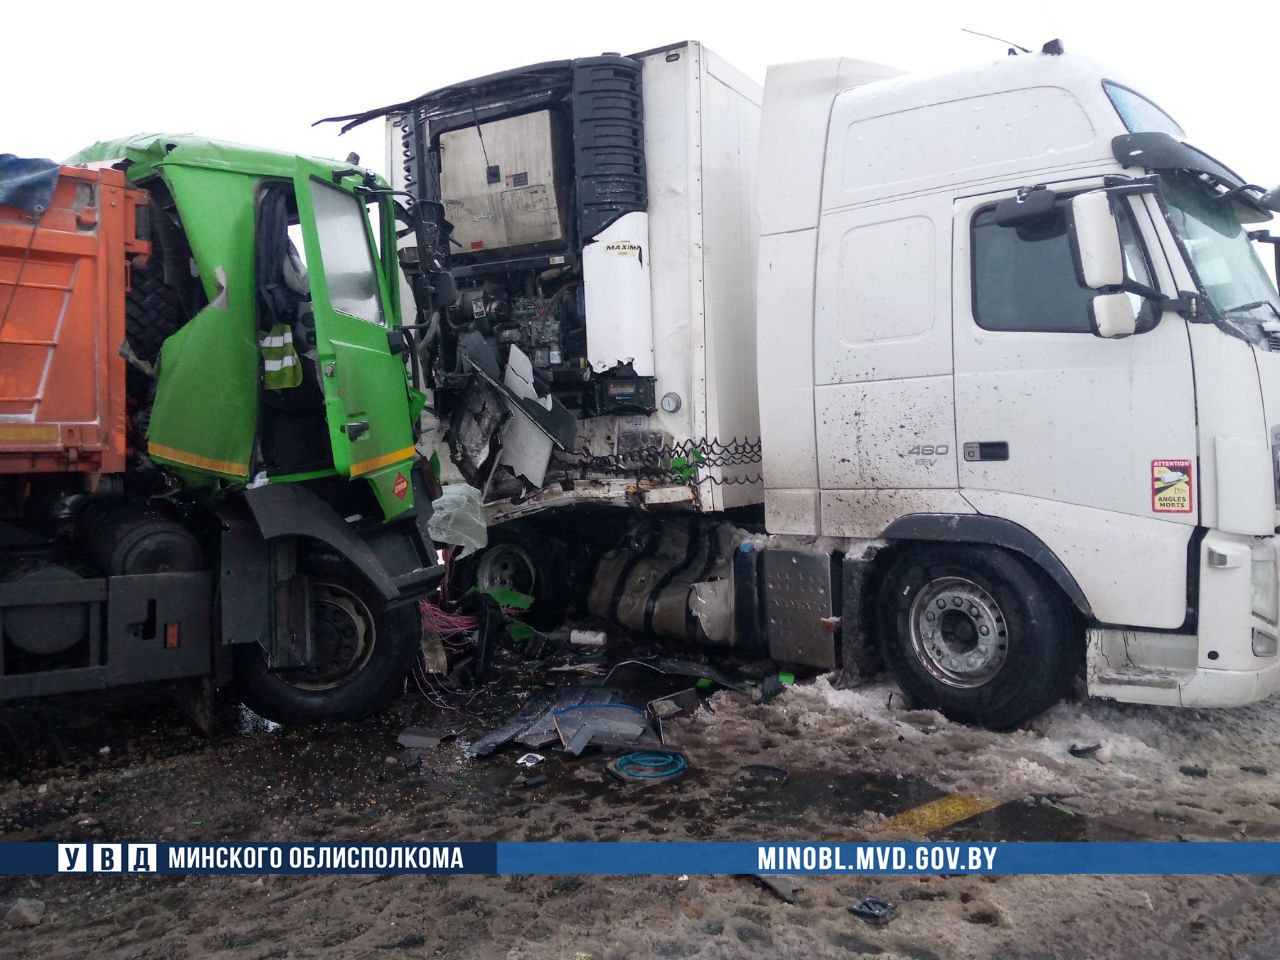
[[651, 766]]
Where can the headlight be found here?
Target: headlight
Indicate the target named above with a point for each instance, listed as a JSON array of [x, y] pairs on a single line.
[[1265, 588]]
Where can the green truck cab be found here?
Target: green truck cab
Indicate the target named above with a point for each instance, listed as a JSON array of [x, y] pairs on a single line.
[[272, 427]]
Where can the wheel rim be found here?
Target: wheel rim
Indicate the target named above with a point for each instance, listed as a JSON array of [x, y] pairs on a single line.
[[343, 632], [958, 632], [506, 566]]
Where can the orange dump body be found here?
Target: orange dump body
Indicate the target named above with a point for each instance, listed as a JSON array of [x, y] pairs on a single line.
[[63, 281]]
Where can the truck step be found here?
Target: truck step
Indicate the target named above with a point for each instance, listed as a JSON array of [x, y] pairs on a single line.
[[1158, 679]]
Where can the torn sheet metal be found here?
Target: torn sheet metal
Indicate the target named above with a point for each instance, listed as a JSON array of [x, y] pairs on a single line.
[[526, 448], [604, 725], [556, 421], [534, 724], [711, 603]]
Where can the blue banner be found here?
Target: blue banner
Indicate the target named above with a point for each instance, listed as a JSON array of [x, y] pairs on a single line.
[[641, 858]]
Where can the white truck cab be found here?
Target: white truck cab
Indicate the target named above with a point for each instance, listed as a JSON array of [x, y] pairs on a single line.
[[1012, 324]]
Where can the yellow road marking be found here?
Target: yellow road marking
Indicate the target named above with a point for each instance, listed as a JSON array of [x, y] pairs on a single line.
[[939, 813]]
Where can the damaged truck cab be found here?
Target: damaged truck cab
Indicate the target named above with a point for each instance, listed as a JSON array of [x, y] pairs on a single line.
[[269, 479], [967, 374], [1020, 361]]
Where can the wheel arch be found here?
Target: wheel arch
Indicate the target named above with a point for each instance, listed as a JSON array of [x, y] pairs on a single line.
[[990, 531]]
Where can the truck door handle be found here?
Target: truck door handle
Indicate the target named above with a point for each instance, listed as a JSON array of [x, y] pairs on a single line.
[[357, 429], [986, 450]]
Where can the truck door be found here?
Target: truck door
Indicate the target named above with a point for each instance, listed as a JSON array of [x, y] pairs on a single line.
[[882, 364], [1084, 441], [365, 390]]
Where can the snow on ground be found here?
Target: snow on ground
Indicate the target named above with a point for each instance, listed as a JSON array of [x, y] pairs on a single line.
[[1136, 767]]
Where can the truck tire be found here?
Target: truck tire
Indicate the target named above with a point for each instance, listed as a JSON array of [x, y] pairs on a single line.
[[364, 651], [153, 310], [519, 557], [975, 633]]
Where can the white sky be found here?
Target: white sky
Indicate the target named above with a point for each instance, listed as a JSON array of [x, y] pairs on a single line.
[[260, 72]]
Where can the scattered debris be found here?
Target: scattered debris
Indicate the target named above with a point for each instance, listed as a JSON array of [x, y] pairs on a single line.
[[874, 911], [104, 752], [648, 766], [25, 913], [534, 724], [1191, 770], [771, 687], [780, 886], [419, 738], [1254, 768], [532, 780], [588, 638], [1077, 750], [530, 760], [677, 668], [604, 725], [766, 773]]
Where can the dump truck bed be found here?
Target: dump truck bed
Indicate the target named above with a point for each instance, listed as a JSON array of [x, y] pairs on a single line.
[[63, 279]]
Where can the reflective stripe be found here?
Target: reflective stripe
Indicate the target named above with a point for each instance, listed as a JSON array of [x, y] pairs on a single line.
[[280, 368]]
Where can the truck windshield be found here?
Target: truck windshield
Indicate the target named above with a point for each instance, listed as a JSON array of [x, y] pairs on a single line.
[[1220, 250]]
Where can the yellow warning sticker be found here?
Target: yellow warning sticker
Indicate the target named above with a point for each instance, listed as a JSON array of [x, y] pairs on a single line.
[[1171, 486]]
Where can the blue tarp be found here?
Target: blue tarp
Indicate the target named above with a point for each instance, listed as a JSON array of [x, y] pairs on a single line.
[[27, 183]]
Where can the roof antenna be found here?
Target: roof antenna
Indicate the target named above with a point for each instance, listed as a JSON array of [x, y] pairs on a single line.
[[1013, 47]]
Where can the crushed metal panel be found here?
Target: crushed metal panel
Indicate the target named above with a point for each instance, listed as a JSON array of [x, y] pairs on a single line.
[[525, 448], [797, 596]]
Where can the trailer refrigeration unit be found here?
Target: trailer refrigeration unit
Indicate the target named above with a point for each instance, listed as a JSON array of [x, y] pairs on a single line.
[[1018, 405]]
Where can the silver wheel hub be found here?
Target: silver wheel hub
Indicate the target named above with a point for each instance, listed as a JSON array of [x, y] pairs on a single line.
[[958, 632], [507, 566]]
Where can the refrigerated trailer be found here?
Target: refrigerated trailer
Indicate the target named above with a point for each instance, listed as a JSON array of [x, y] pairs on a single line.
[[1013, 370]]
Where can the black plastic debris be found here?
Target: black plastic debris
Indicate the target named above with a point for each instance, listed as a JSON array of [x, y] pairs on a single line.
[[1079, 750], [532, 780], [419, 738], [1191, 770], [771, 688], [780, 887], [874, 911], [624, 673], [1254, 768]]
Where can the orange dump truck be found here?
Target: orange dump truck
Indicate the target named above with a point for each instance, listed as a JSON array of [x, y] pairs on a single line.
[[63, 277]]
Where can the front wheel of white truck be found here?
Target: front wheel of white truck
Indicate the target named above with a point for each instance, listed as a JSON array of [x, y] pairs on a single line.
[[975, 633]]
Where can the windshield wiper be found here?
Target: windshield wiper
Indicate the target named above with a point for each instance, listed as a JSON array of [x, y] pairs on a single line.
[[1246, 307]]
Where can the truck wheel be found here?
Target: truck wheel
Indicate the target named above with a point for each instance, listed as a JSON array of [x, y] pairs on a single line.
[[520, 558], [363, 653], [974, 633], [153, 310]]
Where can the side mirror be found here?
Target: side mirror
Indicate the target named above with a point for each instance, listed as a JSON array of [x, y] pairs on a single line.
[[1111, 315], [1095, 241]]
